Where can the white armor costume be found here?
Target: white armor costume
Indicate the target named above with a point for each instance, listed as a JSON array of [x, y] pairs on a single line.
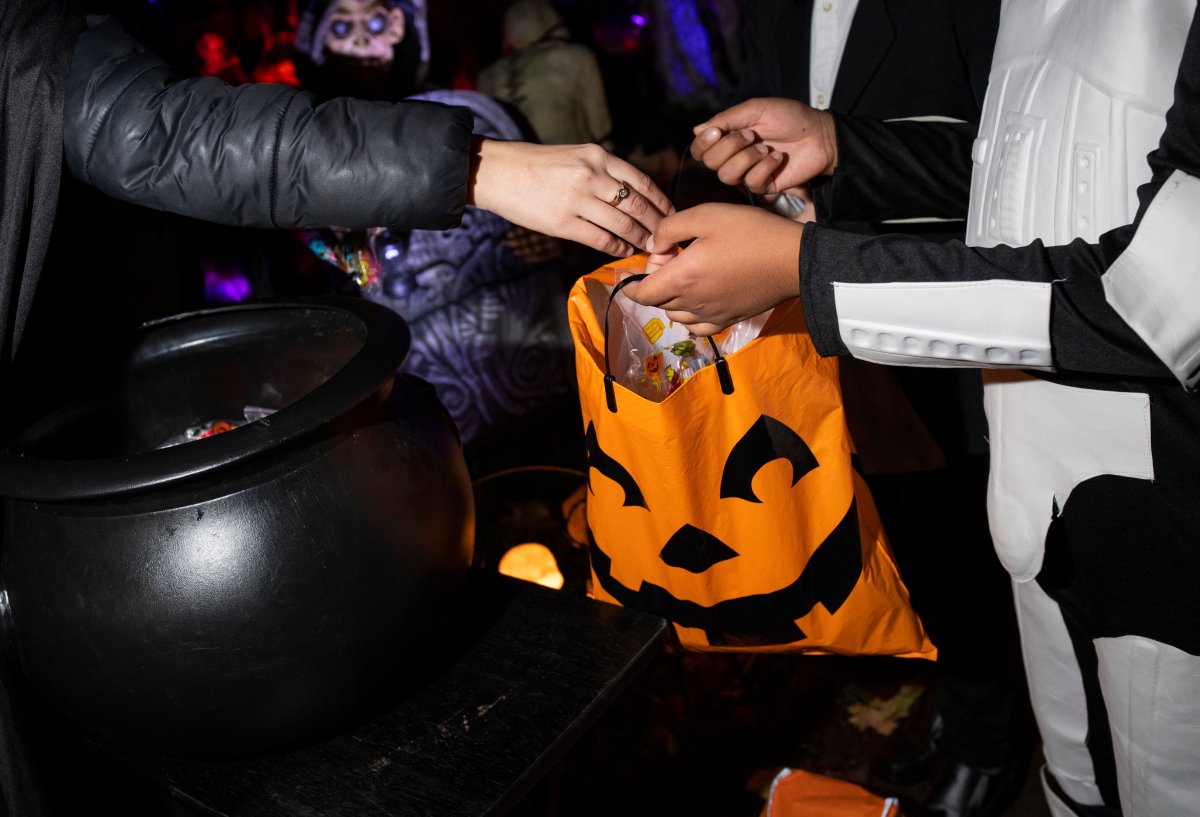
[[1095, 442]]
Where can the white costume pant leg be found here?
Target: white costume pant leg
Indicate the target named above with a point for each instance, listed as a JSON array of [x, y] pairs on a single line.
[[1057, 693], [1073, 464], [1152, 692]]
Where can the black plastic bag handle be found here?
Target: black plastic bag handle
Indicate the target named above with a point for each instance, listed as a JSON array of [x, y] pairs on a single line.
[[610, 392]]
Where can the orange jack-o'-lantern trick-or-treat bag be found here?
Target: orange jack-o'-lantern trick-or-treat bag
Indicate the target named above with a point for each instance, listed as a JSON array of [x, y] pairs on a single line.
[[726, 500]]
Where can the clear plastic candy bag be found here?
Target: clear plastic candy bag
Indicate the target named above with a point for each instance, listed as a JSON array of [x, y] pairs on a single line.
[[655, 355]]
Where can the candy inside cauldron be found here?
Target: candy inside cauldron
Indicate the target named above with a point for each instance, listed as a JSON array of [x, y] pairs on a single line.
[[255, 589]]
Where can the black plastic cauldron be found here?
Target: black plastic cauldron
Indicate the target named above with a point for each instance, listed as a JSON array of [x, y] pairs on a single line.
[[252, 590]]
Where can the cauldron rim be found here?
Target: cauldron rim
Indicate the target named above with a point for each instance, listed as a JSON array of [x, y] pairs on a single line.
[[384, 346]]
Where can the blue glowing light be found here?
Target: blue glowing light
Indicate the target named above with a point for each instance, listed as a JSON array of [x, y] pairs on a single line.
[[693, 41]]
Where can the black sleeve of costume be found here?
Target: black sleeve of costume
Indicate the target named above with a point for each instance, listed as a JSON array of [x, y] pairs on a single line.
[[751, 79], [257, 155], [774, 39], [1086, 334], [35, 40], [889, 170]]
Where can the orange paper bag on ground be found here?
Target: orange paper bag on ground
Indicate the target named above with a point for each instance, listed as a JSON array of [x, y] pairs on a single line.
[[737, 516], [797, 793]]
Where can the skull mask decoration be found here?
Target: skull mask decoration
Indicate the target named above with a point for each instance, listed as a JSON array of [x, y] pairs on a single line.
[[365, 30], [377, 49]]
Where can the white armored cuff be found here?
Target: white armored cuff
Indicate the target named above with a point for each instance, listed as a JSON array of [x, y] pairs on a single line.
[[990, 324], [1155, 284]]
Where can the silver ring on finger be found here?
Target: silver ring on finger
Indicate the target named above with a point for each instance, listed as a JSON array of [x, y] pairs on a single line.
[[621, 195]]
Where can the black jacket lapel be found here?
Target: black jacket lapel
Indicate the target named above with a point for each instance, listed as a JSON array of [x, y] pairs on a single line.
[[871, 36], [794, 30]]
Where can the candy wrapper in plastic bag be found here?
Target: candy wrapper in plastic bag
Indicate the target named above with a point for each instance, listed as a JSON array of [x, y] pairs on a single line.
[[212, 428], [655, 355]]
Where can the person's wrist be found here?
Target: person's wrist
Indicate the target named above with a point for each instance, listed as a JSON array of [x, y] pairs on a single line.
[[474, 168], [497, 170], [792, 281], [829, 139], [786, 283]]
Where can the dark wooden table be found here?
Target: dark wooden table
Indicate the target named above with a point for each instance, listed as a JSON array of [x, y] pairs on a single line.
[[540, 668]]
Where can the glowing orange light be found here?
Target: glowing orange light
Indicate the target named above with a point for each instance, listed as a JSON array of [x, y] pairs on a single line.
[[532, 562]]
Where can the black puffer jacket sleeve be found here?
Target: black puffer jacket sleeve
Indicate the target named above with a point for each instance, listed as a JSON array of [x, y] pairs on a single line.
[[257, 155]]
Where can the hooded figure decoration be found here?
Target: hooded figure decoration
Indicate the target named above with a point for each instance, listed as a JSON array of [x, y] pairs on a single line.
[[554, 82]]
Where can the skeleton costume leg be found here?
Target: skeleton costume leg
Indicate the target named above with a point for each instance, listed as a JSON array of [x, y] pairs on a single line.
[[1109, 624], [1090, 501]]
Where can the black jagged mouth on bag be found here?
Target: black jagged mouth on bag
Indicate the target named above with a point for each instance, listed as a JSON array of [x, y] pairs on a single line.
[[763, 619]]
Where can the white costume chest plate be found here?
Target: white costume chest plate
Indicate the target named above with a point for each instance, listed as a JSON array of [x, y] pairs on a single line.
[[1076, 100]]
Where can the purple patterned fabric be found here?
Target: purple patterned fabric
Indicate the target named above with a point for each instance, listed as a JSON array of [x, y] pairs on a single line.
[[489, 330]]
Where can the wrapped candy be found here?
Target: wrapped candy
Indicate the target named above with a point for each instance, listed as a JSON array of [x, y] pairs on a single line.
[[656, 355]]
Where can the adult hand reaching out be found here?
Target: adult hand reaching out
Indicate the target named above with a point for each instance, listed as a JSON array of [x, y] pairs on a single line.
[[579, 192], [741, 262], [767, 144]]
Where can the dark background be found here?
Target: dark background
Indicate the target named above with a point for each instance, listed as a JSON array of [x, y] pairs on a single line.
[[697, 734]]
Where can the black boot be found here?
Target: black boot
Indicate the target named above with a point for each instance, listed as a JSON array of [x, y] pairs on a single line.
[[966, 791], [905, 770]]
